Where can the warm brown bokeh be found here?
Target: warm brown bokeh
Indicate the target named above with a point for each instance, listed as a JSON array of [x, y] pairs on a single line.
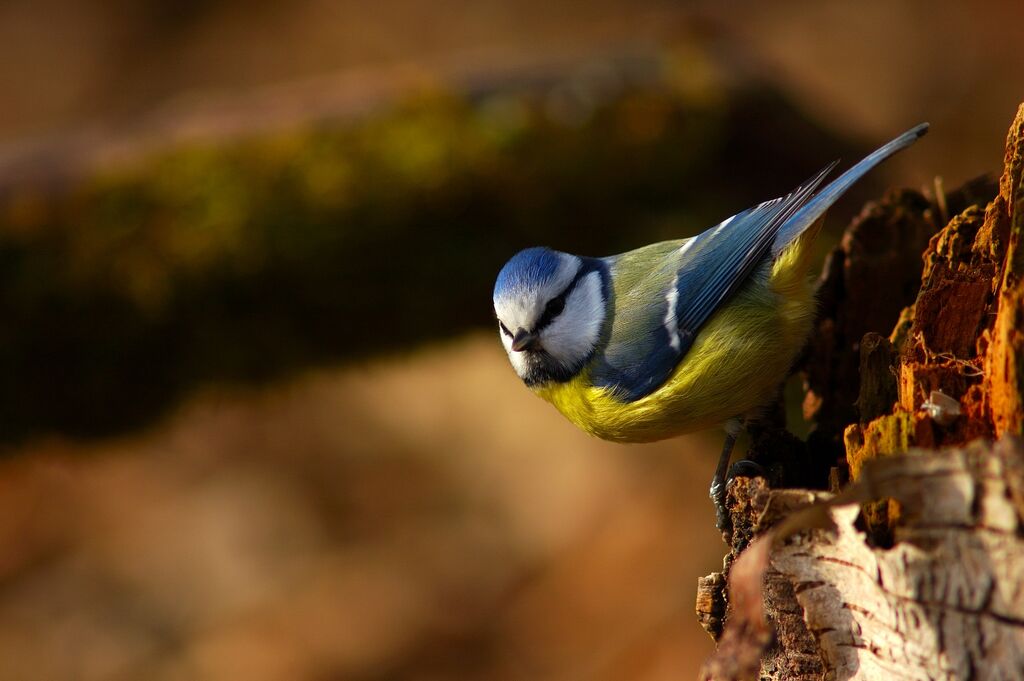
[[419, 516], [100, 73]]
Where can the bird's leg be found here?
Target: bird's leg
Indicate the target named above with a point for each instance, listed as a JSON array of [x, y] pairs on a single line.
[[718, 483]]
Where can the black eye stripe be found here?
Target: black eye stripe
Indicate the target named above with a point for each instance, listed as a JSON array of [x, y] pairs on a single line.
[[504, 329], [552, 310], [557, 304]]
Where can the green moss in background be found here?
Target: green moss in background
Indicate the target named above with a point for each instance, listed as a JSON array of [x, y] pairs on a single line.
[[247, 259]]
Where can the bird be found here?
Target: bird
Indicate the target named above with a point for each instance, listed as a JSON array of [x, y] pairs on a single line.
[[676, 336]]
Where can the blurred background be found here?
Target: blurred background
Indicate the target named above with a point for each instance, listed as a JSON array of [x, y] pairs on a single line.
[[254, 418]]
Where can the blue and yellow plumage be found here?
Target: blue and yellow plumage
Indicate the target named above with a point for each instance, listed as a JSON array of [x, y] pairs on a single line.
[[675, 336]]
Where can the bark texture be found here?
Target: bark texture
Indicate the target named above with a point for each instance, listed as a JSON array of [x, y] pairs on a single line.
[[915, 568], [947, 601]]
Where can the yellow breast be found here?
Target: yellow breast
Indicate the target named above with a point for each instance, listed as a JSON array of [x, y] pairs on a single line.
[[736, 363]]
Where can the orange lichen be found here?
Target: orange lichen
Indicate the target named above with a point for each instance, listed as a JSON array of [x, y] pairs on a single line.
[[963, 336]]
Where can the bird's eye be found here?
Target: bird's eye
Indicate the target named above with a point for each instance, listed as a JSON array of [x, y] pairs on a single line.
[[504, 329], [554, 307], [551, 310]]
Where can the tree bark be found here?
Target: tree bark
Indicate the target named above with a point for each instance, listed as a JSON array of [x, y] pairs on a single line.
[[915, 568]]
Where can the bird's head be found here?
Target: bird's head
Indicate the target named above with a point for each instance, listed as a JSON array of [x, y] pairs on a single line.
[[550, 307]]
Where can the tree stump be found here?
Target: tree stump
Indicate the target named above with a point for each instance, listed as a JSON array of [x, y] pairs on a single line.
[[911, 566]]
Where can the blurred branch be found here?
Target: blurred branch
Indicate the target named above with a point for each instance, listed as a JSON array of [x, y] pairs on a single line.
[[248, 259]]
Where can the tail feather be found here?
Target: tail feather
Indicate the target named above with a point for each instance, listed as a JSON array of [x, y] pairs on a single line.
[[823, 200]]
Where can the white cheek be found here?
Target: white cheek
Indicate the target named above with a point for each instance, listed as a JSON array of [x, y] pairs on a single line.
[[574, 333], [517, 358]]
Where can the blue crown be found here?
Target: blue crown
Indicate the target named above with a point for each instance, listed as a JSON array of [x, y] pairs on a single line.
[[526, 269]]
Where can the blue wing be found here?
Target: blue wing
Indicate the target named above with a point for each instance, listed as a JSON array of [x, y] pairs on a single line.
[[823, 200], [666, 292]]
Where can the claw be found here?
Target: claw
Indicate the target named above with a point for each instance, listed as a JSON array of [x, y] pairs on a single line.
[[722, 520], [746, 469], [717, 494]]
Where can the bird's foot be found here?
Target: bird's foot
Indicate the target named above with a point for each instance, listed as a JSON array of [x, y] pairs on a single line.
[[722, 520], [741, 469]]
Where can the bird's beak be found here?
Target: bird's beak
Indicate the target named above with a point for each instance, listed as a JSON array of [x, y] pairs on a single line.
[[524, 340]]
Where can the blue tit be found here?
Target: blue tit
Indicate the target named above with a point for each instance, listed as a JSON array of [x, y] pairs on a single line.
[[679, 335]]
